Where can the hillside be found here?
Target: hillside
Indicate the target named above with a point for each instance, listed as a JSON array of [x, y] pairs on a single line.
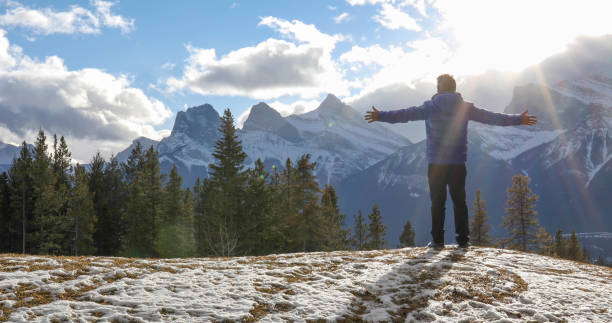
[[411, 284]]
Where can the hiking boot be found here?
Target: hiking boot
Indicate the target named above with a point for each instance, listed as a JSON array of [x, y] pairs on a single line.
[[435, 245], [465, 245]]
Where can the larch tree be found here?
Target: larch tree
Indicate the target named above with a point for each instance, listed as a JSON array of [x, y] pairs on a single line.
[[479, 224], [520, 220]]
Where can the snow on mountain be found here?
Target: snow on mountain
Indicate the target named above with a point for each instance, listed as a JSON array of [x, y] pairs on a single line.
[[594, 89], [8, 152], [401, 285], [505, 143], [145, 143]]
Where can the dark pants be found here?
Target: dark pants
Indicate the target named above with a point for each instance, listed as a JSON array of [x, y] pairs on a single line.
[[439, 177]]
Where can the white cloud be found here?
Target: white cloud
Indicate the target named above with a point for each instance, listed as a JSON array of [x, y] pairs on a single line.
[[363, 2], [301, 65], [75, 20], [342, 17], [91, 108], [394, 18], [168, 66], [332, 8]]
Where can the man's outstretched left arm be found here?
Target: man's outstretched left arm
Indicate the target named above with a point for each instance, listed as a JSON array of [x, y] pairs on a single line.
[[500, 119]]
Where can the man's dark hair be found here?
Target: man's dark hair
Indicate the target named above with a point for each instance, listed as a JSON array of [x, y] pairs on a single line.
[[446, 83]]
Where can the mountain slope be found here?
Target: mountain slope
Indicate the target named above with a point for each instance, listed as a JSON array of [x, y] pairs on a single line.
[[412, 284]]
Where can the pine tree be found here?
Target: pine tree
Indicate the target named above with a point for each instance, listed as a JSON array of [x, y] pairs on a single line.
[[223, 208], [376, 229], [520, 220], [82, 214], [544, 242], [260, 220], [600, 261], [360, 235], [51, 193], [479, 226], [306, 221], [5, 214], [143, 207], [560, 245], [586, 255], [22, 199], [176, 236], [335, 237], [406, 239], [574, 249], [113, 196]]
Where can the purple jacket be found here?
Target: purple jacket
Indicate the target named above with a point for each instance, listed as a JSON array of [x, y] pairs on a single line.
[[446, 118]]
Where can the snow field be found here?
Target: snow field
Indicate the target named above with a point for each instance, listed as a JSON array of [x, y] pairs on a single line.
[[401, 285]]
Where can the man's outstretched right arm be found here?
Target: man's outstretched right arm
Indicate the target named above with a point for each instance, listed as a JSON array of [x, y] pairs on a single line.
[[395, 116]]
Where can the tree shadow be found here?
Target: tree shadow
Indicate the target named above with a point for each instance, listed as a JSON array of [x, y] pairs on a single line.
[[405, 289]]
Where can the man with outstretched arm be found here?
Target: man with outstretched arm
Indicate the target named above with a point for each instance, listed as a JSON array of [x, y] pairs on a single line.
[[446, 118]]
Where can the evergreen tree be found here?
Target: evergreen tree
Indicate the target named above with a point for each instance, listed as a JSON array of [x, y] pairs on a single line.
[[520, 220], [176, 236], [600, 261], [479, 226], [574, 249], [82, 214], [112, 198], [544, 242], [335, 237], [407, 237], [586, 255], [51, 193], [22, 199], [260, 221], [560, 245], [376, 230], [360, 235], [99, 197], [143, 207], [5, 214], [306, 222], [224, 205]]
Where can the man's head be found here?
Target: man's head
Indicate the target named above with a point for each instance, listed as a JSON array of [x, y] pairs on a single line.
[[446, 83]]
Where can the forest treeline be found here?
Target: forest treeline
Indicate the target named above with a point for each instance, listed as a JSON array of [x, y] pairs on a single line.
[[48, 206]]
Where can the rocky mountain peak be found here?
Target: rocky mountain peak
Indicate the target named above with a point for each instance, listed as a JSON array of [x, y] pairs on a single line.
[[199, 123], [264, 118]]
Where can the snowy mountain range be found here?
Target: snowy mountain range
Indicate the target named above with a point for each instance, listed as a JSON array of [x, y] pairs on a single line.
[[337, 137]]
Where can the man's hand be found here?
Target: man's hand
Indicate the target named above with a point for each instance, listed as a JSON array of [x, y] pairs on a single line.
[[372, 116], [527, 119]]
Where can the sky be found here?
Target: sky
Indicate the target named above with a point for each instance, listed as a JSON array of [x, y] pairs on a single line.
[[103, 73]]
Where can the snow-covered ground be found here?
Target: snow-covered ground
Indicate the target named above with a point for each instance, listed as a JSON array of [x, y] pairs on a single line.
[[412, 284]]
